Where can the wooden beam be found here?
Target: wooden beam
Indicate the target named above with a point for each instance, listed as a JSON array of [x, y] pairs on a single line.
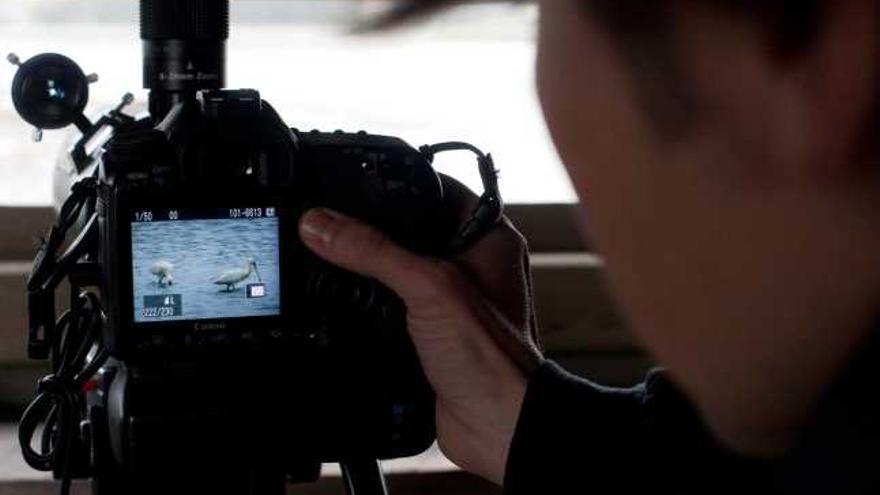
[[575, 311], [579, 321], [13, 311], [19, 227], [549, 228]]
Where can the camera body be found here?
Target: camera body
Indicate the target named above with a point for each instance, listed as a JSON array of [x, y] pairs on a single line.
[[223, 189]]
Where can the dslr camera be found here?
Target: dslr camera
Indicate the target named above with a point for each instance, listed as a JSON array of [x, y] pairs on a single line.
[[205, 349]]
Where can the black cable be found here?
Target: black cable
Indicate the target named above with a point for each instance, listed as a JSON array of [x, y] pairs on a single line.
[[59, 400], [46, 264], [69, 341]]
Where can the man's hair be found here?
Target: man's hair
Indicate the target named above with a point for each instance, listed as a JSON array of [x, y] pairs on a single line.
[[642, 30], [794, 23]]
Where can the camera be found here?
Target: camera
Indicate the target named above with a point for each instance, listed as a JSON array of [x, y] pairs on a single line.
[[205, 348]]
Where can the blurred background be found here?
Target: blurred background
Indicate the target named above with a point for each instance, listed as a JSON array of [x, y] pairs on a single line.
[[466, 74]]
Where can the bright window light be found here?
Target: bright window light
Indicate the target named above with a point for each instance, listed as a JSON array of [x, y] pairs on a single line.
[[466, 75]]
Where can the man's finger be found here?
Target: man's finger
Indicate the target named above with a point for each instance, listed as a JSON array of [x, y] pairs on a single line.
[[498, 265], [357, 247]]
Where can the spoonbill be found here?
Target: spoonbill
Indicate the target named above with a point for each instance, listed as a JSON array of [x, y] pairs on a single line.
[[162, 270], [235, 275]]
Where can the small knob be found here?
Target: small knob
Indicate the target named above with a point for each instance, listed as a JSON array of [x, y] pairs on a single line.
[[13, 59], [92, 78], [37, 135], [127, 100]]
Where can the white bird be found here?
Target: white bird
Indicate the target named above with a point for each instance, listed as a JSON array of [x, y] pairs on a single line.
[[163, 269], [235, 275]]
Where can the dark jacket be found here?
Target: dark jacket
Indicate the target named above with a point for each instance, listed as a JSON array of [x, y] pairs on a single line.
[[577, 437]]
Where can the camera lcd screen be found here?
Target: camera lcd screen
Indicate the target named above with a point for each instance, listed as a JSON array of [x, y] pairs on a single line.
[[197, 264]]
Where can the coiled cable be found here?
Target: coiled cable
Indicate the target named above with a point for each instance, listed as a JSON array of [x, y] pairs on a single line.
[[58, 404]]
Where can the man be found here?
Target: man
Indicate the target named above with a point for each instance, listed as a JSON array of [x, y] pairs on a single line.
[[725, 155]]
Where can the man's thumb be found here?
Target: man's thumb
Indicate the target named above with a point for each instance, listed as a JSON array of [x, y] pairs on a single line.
[[360, 248]]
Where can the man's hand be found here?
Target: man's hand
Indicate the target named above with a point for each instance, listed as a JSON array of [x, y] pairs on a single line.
[[471, 319]]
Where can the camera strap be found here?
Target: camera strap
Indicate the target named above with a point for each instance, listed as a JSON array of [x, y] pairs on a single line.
[[490, 207]]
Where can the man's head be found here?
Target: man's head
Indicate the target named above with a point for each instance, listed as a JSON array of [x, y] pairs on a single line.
[[724, 155]]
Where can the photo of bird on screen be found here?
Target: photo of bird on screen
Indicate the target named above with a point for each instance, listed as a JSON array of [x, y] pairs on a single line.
[[163, 270], [216, 266], [229, 278]]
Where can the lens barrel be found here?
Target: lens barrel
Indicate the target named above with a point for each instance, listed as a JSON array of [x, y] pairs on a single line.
[[184, 44]]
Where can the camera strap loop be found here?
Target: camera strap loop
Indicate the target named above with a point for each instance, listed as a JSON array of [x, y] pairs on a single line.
[[490, 208]]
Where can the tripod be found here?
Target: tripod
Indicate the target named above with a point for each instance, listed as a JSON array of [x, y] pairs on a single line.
[[364, 477]]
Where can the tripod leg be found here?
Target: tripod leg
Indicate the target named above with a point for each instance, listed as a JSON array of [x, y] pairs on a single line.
[[364, 477]]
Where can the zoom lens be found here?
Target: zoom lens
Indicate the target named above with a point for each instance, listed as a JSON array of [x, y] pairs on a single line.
[[184, 44]]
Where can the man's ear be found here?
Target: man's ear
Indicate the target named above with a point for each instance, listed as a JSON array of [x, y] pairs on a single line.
[[837, 76], [802, 108]]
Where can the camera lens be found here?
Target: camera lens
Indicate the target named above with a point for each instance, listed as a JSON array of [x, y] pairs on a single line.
[[184, 19], [184, 44], [50, 91]]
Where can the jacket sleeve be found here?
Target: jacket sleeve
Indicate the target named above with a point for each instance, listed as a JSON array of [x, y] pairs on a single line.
[[574, 436]]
